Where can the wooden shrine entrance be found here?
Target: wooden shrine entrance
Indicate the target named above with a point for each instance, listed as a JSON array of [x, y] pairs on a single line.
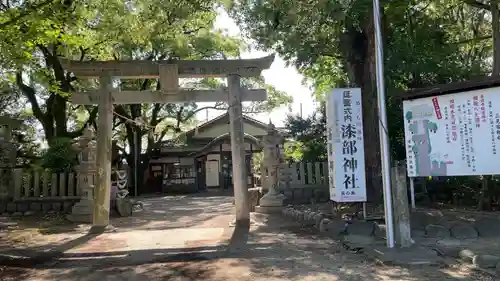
[[168, 73]]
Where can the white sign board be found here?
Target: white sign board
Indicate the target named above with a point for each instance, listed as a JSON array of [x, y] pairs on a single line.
[[346, 152], [453, 135]]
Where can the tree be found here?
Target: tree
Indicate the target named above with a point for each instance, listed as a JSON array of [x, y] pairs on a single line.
[[309, 140], [188, 35], [87, 30], [36, 33], [332, 43]]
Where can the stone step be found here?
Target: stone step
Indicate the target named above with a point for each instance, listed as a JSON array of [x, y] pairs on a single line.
[[82, 209], [86, 218]]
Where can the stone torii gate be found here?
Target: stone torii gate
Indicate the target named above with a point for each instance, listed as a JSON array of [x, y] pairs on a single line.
[[168, 73]]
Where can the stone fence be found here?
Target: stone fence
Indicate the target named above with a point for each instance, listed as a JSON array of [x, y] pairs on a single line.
[[302, 182], [28, 191]]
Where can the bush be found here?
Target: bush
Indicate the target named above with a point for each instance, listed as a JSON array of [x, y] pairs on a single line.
[[60, 155]]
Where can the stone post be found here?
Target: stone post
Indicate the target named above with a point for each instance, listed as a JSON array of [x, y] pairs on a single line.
[[401, 206], [82, 211], [241, 197], [273, 200]]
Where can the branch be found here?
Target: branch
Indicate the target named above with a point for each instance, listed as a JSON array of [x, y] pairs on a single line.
[[472, 40], [4, 7], [191, 31], [121, 149], [30, 94], [26, 12], [477, 4], [53, 62], [154, 115], [217, 106], [90, 121], [122, 113], [160, 138], [83, 52], [116, 124]]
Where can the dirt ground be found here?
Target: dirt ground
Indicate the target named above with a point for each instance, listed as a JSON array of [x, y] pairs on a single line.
[[273, 250]]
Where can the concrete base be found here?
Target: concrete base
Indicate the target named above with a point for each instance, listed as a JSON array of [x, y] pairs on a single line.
[[414, 255], [269, 209], [82, 211], [274, 200]]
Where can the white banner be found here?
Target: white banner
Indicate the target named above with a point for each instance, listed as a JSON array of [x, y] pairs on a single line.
[[453, 135], [345, 145]]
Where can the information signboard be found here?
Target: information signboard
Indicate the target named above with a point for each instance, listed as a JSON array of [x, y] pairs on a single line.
[[453, 135]]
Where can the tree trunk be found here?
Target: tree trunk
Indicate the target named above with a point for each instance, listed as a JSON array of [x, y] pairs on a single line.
[[485, 200], [132, 144], [495, 26], [359, 51]]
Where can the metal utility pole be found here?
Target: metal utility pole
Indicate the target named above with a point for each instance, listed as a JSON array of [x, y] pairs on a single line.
[[384, 134], [136, 159]]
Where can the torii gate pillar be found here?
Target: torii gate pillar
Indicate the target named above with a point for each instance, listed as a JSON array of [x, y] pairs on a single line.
[[100, 217], [238, 151]]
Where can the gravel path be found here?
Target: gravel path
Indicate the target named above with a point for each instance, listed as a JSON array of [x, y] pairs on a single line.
[[289, 255], [276, 250]]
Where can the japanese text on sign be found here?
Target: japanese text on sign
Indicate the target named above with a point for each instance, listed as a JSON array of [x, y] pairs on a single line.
[[346, 152], [461, 141]]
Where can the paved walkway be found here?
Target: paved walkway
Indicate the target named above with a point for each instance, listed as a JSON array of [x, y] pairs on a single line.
[[179, 239]]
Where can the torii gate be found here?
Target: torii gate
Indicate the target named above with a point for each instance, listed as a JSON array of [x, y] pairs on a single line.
[[169, 73]]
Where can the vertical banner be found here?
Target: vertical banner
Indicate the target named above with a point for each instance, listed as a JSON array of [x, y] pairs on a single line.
[[332, 135], [345, 145]]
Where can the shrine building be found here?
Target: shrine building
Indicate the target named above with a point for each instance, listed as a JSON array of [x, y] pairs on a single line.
[[200, 159]]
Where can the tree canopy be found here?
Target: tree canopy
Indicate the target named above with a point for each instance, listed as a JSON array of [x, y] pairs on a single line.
[[332, 44], [36, 34]]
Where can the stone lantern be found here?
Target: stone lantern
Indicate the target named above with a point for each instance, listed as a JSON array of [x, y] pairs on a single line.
[[273, 200], [7, 154], [86, 170]]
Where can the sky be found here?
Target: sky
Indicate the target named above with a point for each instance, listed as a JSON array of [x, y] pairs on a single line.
[[282, 77]]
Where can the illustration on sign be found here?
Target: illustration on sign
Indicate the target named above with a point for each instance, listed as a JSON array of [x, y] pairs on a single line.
[[346, 148], [453, 135], [421, 129]]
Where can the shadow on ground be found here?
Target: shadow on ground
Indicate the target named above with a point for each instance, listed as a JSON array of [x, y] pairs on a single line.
[[160, 213], [272, 249]]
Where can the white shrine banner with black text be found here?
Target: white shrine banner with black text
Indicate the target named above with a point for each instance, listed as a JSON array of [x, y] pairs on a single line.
[[345, 145]]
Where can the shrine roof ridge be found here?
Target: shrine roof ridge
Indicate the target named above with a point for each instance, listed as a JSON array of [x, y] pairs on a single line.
[[450, 88], [186, 68]]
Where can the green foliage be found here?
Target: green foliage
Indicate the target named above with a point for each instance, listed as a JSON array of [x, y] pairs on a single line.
[[257, 159], [294, 150], [309, 140], [60, 155], [331, 42], [35, 34], [275, 97], [426, 43]]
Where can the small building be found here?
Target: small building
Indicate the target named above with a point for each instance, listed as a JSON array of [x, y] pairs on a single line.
[[200, 159]]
